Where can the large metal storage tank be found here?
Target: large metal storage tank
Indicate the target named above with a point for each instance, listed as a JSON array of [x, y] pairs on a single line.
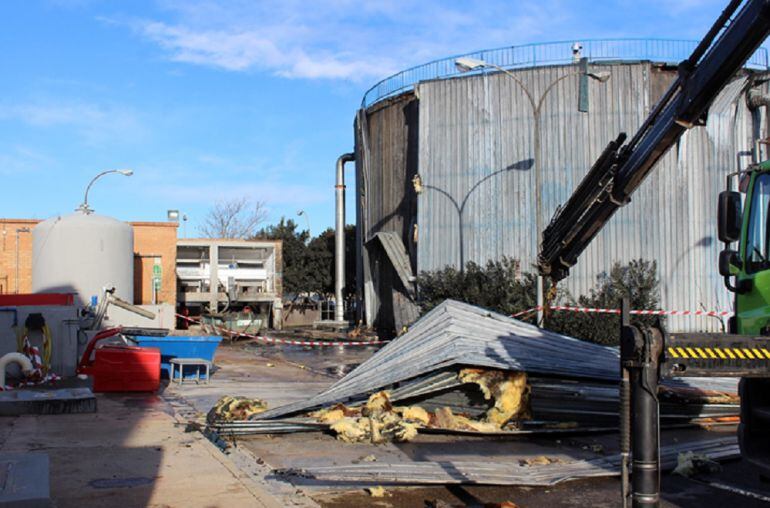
[[455, 167], [81, 253]]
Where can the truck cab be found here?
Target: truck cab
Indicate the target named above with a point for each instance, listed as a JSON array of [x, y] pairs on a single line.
[[744, 217]]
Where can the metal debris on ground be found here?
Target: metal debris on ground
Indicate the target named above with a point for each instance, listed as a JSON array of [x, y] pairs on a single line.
[[690, 464], [472, 370], [500, 473]]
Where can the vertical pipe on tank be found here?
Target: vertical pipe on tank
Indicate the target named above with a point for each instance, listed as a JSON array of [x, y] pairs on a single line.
[[339, 237]]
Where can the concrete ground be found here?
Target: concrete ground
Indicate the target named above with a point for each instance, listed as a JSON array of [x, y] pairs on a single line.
[[132, 453], [281, 375], [135, 451]]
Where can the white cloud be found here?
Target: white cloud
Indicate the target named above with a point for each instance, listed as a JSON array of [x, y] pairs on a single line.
[[336, 39], [21, 159], [95, 122], [365, 40], [243, 49]]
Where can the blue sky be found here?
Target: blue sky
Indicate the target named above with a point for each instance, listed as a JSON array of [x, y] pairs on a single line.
[[213, 98]]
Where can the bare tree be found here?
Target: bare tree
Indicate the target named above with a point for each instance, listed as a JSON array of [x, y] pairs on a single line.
[[233, 218]]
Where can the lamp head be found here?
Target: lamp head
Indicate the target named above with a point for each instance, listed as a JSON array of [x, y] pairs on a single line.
[[466, 64]]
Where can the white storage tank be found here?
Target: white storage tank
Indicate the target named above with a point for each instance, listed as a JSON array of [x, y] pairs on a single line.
[[81, 253]]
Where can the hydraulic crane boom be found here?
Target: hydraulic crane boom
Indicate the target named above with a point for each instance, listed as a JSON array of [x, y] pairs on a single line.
[[621, 168]]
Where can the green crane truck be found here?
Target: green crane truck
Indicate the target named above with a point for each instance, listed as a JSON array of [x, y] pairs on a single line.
[[648, 352]]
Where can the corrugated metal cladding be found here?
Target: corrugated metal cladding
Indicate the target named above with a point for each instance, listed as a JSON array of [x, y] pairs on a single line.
[[477, 163], [472, 141], [386, 162]]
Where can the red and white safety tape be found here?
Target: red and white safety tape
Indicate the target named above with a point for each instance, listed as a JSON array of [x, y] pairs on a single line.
[[712, 313], [291, 342]]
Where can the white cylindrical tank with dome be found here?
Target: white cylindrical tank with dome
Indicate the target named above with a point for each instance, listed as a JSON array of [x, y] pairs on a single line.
[[82, 253]]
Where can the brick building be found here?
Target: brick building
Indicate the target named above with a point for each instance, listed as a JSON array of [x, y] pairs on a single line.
[[154, 244]]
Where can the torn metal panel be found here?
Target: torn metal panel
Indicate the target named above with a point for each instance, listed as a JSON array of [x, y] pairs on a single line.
[[394, 248], [497, 473], [569, 378], [456, 333], [250, 427]]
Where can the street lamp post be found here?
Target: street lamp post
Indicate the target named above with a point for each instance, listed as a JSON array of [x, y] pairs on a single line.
[[174, 216], [84, 206], [19, 230], [470, 64], [301, 213]]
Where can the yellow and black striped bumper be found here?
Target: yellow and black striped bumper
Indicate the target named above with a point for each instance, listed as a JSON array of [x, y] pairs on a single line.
[[707, 354]]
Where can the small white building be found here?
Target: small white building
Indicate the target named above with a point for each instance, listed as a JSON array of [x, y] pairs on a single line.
[[219, 275]]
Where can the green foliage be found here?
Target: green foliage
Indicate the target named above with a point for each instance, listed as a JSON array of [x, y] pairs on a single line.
[[500, 287], [308, 264], [637, 280], [320, 262]]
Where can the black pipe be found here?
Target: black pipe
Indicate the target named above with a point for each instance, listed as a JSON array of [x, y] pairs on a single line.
[[645, 466], [640, 353]]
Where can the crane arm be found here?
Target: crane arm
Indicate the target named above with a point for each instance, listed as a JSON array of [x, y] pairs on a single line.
[[621, 168]]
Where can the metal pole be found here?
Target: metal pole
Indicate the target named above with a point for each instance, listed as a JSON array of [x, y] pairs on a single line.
[[640, 352], [536, 108], [19, 230], [84, 206], [339, 237], [625, 412], [538, 210], [17, 261], [645, 469]]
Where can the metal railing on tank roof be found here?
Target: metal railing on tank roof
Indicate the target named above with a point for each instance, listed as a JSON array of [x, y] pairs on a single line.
[[548, 53]]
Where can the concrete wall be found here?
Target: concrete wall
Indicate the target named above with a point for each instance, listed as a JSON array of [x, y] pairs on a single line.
[[62, 321], [68, 347]]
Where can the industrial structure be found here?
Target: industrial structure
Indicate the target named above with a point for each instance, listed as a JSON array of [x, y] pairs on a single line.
[[218, 275], [459, 163]]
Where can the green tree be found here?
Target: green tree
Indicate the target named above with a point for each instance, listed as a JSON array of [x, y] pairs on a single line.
[[321, 262]]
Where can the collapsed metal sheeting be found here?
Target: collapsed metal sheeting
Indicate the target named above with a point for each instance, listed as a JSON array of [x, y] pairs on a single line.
[[456, 333], [497, 473], [563, 400], [571, 379]]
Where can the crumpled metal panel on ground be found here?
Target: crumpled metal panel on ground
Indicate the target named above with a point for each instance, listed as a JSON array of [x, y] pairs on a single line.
[[456, 333], [500, 473], [425, 360]]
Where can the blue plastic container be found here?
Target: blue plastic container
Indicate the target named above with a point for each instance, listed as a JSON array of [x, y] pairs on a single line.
[[173, 346]]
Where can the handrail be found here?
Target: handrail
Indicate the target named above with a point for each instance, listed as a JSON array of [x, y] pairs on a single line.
[[670, 51]]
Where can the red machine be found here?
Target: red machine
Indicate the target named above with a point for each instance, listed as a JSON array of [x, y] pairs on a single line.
[[119, 368]]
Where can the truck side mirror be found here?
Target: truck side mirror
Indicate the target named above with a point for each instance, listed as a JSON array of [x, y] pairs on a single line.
[[727, 258], [729, 217]]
